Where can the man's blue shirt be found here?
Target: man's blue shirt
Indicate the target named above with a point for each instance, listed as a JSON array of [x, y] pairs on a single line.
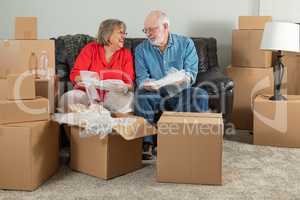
[[151, 63]]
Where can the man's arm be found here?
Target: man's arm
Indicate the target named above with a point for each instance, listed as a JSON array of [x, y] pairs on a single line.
[[141, 71], [190, 62]]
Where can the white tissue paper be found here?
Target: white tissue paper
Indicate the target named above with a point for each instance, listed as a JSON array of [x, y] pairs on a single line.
[[94, 120], [118, 102], [114, 100], [169, 81]]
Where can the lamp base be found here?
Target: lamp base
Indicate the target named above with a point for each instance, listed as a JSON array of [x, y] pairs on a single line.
[[277, 98]]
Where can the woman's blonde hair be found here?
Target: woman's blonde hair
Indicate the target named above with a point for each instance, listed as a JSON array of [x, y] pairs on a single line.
[[106, 28]]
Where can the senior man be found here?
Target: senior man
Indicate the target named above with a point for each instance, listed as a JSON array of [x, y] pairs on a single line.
[[161, 52]]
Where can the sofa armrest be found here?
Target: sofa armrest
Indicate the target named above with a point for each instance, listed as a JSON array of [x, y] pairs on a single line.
[[214, 81]]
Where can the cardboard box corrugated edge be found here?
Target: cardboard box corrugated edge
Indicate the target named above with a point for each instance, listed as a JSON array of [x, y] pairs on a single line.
[[210, 116]]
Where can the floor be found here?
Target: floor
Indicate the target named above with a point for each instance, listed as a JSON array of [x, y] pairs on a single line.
[[249, 172]]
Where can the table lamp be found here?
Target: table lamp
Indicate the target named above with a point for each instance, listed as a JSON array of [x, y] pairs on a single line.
[[278, 37]]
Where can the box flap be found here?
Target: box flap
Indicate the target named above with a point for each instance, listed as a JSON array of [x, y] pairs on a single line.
[[139, 128], [187, 117], [193, 114]]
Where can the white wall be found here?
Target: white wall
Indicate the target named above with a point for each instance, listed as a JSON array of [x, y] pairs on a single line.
[[206, 18], [281, 10]]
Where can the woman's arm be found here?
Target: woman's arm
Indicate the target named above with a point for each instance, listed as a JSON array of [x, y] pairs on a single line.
[[82, 62], [128, 70]]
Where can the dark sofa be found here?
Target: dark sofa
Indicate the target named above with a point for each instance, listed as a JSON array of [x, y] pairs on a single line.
[[210, 76]]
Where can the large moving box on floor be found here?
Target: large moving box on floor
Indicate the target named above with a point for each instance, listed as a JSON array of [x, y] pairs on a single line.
[[28, 154], [189, 148]]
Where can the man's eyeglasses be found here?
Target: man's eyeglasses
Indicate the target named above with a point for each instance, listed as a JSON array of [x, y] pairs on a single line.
[[150, 29]]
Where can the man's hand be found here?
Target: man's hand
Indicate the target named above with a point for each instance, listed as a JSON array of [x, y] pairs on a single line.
[[150, 86], [185, 80]]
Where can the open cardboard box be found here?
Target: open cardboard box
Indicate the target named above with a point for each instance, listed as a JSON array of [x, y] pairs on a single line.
[[116, 154]]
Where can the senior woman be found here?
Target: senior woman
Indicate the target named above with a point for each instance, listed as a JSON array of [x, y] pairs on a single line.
[[110, 60]]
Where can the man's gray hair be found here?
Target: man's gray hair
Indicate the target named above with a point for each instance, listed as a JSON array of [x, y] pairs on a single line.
[[106, 28], [163, 19]]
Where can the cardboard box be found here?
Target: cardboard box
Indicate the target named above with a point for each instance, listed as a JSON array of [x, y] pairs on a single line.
[[3, 89], [18, 56], [253, 22], [189, 148], [28, 154], [48, 88], [26, 28], [25, 88], [20, 87], [291, 62], [116, 154], [276, 123], [248, 83], [246, 50], [24, 110]]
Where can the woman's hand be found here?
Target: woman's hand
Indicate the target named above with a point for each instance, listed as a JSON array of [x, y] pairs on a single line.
[[120, 88], [79, 82]]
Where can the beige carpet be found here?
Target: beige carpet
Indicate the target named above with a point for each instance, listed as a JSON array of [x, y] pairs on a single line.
[[249, 172]]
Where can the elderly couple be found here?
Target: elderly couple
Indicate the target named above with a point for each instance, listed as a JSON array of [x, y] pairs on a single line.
[[153, 58]]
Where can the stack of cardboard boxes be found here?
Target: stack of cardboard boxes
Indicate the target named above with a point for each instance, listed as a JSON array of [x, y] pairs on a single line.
[[28, 139], [276, 122], [251, 68]]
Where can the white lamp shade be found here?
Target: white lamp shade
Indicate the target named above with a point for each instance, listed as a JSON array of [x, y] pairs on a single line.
[[282, 36]]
